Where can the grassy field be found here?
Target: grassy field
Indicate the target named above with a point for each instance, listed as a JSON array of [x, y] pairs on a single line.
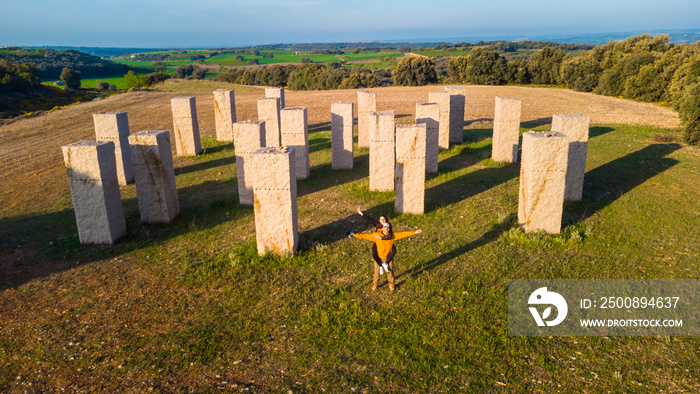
[[190, 304]]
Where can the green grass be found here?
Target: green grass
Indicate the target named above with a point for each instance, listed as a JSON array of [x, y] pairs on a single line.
[[190, 304]]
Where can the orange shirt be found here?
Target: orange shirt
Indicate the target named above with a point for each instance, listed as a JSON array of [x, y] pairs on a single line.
[[384, 245]]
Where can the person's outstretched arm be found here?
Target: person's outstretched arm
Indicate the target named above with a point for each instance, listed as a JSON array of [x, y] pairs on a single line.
[[374, 223], [369, 237], [405, 234]]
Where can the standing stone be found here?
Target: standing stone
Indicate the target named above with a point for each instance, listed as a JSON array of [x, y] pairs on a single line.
[[156, 191], [459, 96], [542, 181], [185, 126], [224, 113], [275, 188], [506, 130], [92, 175], [276, 93], [341, 135], [247, 137], [444, 101], [381, 151], [295, 133], [366, 104], [114, 126], [269, 112], [576, 128], [410, 168], [429, 114]]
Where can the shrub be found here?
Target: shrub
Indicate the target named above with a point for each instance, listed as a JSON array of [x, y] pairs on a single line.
[[156, 77], [482, 66], [544, 66], [305, 60], [689, 111], [414, 71], [359, 80], [102, 85], [71, 78]]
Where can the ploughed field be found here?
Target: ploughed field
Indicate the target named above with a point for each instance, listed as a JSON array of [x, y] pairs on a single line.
[[190, 305]]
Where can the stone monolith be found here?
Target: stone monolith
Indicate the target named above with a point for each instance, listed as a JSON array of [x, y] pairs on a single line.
[[247, 137], [185, 126], [410, 168], [156, 191], [381, 151], [269, 112], [429, 114], [576, 128], [114, 126], [92, 176], [542, 181], [295, 133], [275, 188], [341, 135], [366, 104], [457, 104], [444, 101], [276, 93], [224, 113], [506, 130]]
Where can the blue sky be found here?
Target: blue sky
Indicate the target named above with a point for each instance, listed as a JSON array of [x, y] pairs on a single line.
[[191, 23]]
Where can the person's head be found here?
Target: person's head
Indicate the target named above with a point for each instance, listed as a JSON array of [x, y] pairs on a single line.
[[383, 220], [386, 229]]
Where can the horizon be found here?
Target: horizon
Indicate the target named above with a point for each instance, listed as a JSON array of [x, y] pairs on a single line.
[[216, 23]]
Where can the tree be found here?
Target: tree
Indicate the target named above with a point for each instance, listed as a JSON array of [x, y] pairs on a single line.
[[414, 71], [102, 85], [135, 81], [405, 49], [359, 80], [71, 78], [544, 66], [482, 66], [689, 111]]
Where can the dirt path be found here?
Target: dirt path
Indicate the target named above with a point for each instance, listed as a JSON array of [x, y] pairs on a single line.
[[30, 149]]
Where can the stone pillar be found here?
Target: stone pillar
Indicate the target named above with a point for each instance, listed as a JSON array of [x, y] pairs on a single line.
[[429, 114], [459, 96], [275, 188], [295, 133], [444, 102], [156, 191], [410, 168], [224, 113], [92, 176], [276, 93], [269, 112], [576, 128], [341, 135], [542, 180], [506, 130], [381, 151], [247, 137], [185, 126], [366, 104], [114, 126]]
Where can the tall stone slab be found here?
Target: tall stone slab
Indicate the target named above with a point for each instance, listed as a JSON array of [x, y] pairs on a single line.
[[92, 176], [341, 135], [224, 114], [506, 130], [275, 188], [185, 126], [269, 112], [429, 114], [444, 101], [295, 133], [276, 93], [575, 127], [542, 181], [366, 104], [156, 191], [381, 151], [114, 126], [410, 168], [247, 137], [457, 103]]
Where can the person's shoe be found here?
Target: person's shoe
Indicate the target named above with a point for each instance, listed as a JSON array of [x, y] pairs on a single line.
[[381, 270], [386, 267], [391, 286]]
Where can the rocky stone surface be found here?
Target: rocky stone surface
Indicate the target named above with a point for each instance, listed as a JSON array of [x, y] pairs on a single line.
[[410, 168], [429, 114], [247, 137], [295, 133], [92, 176], [224, 113], [269, 112], [114, 126], [156, 191], [185, 126], [542, 181], [444, 101], [366, 104], [457, 104], [275, 188], [381, 151], [506, 130], [575, 127], [276, 93], [341, 135]]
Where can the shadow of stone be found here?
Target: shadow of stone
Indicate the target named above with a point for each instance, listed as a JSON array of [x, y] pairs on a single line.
[[321, 174], [214, 149], [472, 121], [205, 165], [317, 144], [604, 185], [597, 131], [536, 122], [316, 127]]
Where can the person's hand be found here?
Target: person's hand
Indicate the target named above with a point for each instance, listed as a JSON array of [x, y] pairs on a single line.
[[419, 231], [359, 211], [351, 234]]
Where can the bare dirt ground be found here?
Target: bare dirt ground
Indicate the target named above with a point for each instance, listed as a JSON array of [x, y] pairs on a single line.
[[30, 149]]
